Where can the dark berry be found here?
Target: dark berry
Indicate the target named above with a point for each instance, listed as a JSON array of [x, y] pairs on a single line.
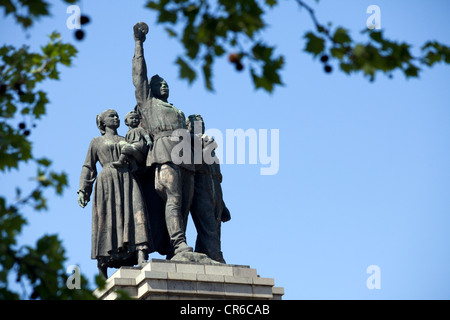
[[84, 20], [34, 295], [239, 66], [79, 34], [22, 125], [18, 88], [328, 69], [324, 58], [26, 133]]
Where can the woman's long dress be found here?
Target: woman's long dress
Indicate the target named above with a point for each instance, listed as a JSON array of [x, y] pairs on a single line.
[[119, 217]]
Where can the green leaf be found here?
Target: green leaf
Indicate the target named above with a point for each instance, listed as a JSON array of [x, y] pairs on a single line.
[[219, 50], [377, 36], [59, 181], [190, 42], [207, 73], [359, 50], [262, 52], [171, 32], [271, 3], [341, 36], [186, 72], [27, 97], [26, 22], [152, 5], [9, 6], [338, 52], [261, 82], [270, 75], [10, 110], [346, 67], [100, 281], [314, 44], [44, 162], [37, 8], [435, 52], [412, 71], [167, 16]]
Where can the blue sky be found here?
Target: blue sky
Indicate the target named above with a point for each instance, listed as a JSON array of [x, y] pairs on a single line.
[[364, 173]]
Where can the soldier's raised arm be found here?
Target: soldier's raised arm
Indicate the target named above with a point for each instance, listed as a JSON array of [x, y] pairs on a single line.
[[139, 68]]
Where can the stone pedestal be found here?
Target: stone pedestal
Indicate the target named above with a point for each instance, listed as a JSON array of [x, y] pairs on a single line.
[[166, 280]]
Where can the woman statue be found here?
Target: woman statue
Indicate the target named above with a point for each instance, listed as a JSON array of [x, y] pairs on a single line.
[[120, 228]]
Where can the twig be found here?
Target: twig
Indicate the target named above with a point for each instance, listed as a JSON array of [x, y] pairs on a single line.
[[319, 27]]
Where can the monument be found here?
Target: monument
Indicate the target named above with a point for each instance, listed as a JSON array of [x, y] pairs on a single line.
[[142, 197]]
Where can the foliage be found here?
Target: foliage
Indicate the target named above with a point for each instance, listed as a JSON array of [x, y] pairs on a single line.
[[21, 72], [26, 12], [378, 54], [210, 29]]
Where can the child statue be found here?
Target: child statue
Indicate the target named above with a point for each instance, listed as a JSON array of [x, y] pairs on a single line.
[[139, 141]]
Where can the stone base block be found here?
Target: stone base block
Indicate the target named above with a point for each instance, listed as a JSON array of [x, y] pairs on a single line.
[[164, 279]]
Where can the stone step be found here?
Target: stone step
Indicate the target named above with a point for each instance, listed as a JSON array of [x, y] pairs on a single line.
[[164, 279]]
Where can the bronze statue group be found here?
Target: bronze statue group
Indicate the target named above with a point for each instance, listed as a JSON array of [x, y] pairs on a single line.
[[141, 198]]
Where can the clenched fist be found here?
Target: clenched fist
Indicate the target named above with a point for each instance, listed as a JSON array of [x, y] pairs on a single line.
[[140, 30]]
